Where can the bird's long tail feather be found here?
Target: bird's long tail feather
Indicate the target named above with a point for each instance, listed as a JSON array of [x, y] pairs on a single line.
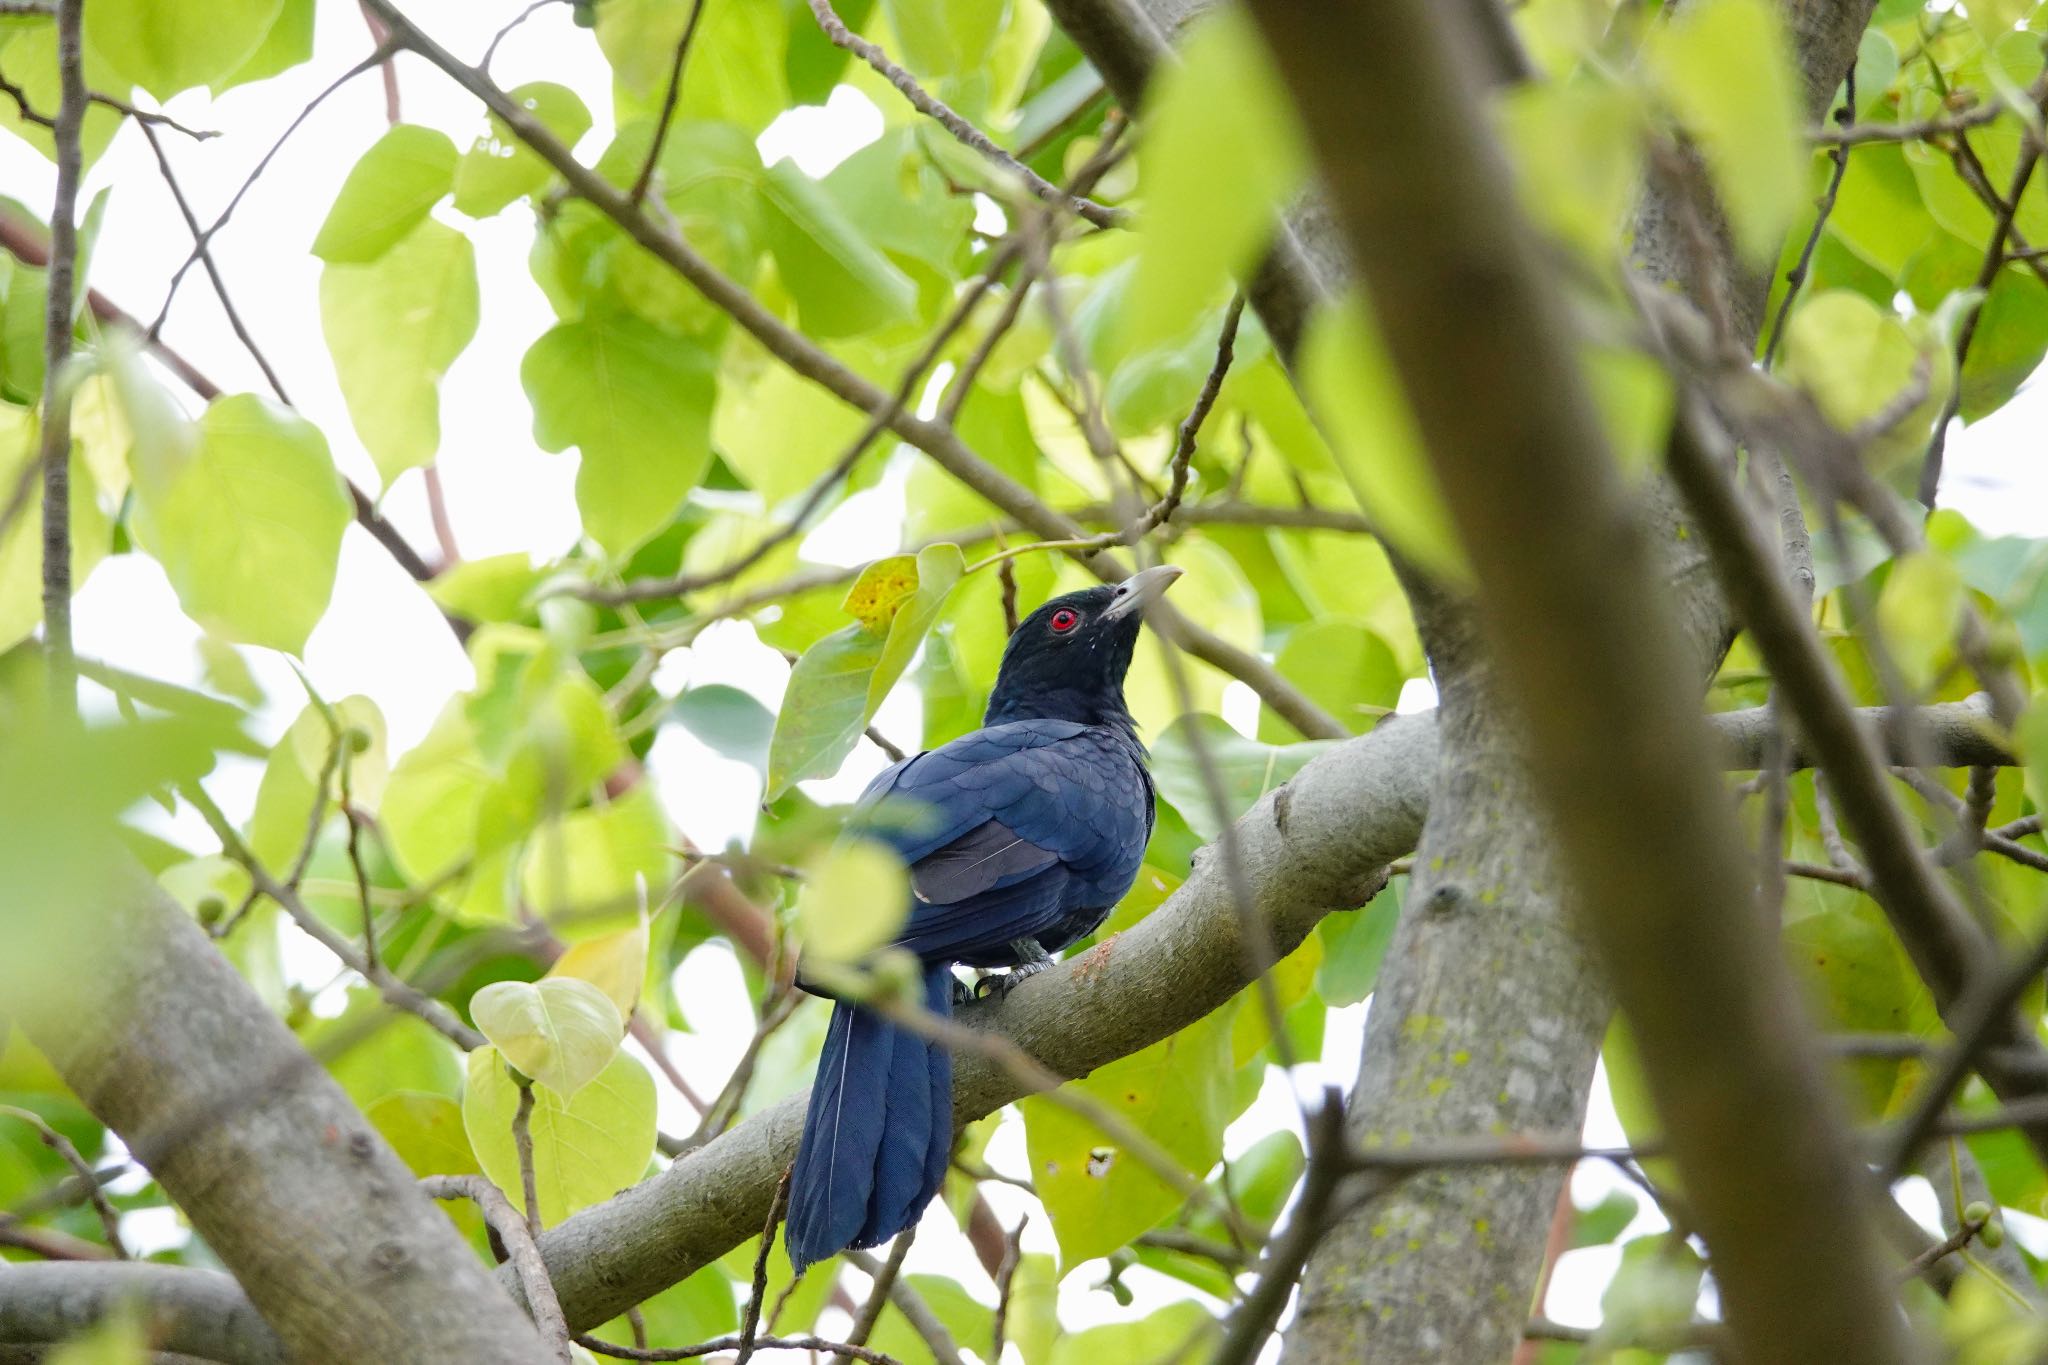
[[878, 1132]]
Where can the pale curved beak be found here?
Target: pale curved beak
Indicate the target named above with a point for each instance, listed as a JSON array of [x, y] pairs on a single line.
[[1140, 590]]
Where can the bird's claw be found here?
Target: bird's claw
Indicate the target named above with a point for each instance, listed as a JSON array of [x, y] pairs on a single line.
[[999, 985], [963, 994]]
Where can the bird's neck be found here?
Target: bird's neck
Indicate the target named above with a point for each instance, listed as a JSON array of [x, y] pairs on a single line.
[[1083, 706]]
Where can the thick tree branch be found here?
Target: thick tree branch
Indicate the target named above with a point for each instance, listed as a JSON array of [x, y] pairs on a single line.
[[1568, 589], [280, 1174]]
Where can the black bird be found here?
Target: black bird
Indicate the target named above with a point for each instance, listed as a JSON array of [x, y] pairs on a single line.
[[1026, 833]]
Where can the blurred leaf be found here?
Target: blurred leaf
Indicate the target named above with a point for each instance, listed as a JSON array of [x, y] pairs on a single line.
[[374, 1050], [495, 588], [1856, 359], [636, 402], [1263, 1179], [405, 173], [585, 1150], [393, 326], [854, 898], [1215, 173], [1361, 405], [426, 1131], [1605, 1221], [582, 870], [1245, 769], [1918, 612], [700, 1308], [842, 285], [117, 1339], [1355, 944], [288, 43], [249, 530], [560, 1031], [21, 544], [32, 64], [1100, 1197], [291, 775], [498, 168], [730, 721], [1177, 1333], [166, 48], [1344, 668], [1725, 69], [944, 37], [615, 963], [1578, 149]]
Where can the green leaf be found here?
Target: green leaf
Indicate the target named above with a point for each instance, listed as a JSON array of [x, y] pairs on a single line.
[[429, 811], [636, 401], [404, 174], [288, 43], [499, 168], [393, 326], [585, 1150], [1215, 171], [1245, 769], [494, 588], [839, 682], [585, 869], [373, 1050], [21, 540], [1364, 411], [1918, 611], [1355, 944], [736, 60], [1578, 151], [730, 721], [1262, 1179], [944, 37], [1344, 668], [776, 429], [854, 897], [166, 48], [1856, 359], [426, 1131], [842, 285], [1100, 1197], [291, 775], [31, 58], [249, 529], [698, 1309], [1725, 69], [561, 1031]]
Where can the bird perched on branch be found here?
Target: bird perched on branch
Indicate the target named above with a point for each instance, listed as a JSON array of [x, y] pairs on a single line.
[[1028, 831]]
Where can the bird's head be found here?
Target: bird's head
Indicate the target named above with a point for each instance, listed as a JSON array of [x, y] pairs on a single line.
[[1067, 660]]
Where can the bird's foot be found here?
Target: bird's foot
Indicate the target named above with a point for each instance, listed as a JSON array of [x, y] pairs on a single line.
[[964, 994], [1036, 960]]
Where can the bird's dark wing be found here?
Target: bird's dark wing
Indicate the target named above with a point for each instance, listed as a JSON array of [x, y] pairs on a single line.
[[1022, 824]]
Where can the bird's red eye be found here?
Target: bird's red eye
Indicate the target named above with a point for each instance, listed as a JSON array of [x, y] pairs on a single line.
[[1065, 620]]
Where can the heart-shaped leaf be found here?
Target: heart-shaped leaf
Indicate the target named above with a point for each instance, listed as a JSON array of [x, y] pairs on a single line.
[[561, 1031]]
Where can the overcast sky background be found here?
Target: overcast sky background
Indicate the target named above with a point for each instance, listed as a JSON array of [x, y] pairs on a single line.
[[382, 636]]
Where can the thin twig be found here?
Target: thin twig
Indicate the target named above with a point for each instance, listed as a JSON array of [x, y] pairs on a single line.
[[1796, 276], [953, 122], [878, 1295], [1947, 1246], [914, 1309], [713, 1347], [484, 62], [1006, 1275], [668, 106], [88, 1179], [1161, 512], [522, 1143], [751, 1322], [1252, 1322], [520, 1247]]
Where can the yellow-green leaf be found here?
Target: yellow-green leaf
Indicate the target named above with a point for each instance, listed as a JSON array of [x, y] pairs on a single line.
[[615, 963], [249, 530], [393, 326], [585, 1150], [405, 173], [1725, 69], [587, 869], [166, 48], [854, 898], [499, 168], [561, 1031]]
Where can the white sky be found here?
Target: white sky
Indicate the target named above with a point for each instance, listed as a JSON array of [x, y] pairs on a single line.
[[382, 637]]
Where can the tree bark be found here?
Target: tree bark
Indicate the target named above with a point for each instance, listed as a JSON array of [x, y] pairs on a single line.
[[1488, 1014], [319, 1221], [1566, 568]]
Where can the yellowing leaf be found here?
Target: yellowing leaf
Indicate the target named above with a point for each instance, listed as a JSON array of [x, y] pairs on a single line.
[[614, 963], [587, 868], [405, 173], [585, 1149], [249, 529], [882, 587], [561, 1031], [1725, 69], [853, 899], [393, 326]]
